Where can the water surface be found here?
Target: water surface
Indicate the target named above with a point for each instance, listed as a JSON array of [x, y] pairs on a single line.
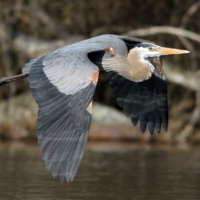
[[107, 171]]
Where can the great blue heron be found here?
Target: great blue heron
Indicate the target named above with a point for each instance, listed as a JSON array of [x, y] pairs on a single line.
[[63, 83]]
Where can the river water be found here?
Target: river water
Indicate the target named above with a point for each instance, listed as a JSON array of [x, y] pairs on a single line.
[[108, 171]]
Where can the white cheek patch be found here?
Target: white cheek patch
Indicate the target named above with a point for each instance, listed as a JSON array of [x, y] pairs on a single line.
[[146, 53]]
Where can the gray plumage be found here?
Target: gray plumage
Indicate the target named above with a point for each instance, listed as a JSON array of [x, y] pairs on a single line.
[[63, 83]]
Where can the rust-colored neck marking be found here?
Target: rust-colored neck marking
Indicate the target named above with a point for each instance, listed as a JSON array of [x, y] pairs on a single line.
[[159, 71]]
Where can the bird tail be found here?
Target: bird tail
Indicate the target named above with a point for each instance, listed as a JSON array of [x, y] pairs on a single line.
[[5, 80]]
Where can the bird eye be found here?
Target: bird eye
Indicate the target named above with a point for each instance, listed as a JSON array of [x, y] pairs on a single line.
[[150, 48]]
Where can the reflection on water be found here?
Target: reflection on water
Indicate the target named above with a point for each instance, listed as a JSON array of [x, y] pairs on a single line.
[[117, 172]]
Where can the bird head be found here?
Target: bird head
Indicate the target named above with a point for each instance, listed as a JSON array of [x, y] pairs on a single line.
[[143, 59], [150, 50]]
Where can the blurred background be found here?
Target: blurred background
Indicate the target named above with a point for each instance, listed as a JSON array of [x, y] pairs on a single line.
[[165, 166], [29, 29]]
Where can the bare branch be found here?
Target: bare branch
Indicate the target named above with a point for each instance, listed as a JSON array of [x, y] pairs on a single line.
[[5, 80], [193, 55], [180, 77], [34, 47], [189, 128], [164, 29], [110, 29], [191, 11]]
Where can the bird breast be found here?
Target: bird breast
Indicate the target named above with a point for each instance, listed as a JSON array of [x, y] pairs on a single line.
[[140, 68]]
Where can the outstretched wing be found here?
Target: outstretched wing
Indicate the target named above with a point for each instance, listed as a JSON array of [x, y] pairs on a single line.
[[145, 101], [63, 84]]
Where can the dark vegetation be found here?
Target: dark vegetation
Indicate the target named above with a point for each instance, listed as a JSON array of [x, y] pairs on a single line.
[[50, 20]]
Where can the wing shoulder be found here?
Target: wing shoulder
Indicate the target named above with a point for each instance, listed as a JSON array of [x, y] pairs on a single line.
[[69, 67]]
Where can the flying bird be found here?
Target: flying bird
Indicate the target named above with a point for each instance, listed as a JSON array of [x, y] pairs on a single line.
[[63, 83]]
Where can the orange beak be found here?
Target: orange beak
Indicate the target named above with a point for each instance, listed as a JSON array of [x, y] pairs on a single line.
[[169, 51]]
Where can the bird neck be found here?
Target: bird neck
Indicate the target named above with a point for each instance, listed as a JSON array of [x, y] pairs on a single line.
[[140, 68]]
